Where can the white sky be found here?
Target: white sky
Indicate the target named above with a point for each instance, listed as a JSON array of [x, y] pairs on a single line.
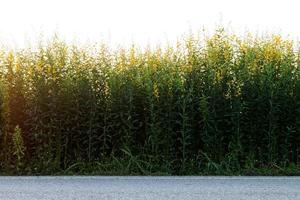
[[141, 21]]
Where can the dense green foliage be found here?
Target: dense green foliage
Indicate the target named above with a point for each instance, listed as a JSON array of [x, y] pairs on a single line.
[[218, 105]]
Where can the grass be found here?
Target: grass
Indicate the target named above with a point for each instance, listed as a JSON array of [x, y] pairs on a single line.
[[223, 105]]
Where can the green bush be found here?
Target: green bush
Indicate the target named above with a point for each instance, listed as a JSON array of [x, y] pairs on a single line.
[[220, 105]]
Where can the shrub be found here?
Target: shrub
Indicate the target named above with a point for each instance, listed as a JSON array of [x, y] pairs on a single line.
[[221, 105]]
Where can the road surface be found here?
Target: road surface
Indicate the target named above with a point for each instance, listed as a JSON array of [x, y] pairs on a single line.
[[149, 188]]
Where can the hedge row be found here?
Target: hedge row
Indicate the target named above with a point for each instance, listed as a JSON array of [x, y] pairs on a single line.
[[216, 105]]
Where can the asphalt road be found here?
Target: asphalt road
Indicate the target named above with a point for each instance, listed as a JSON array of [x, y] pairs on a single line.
[[144, 188]]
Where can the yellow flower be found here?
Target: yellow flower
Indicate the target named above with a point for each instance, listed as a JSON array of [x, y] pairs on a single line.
[[17, 65], [277, 40], [155, 90]]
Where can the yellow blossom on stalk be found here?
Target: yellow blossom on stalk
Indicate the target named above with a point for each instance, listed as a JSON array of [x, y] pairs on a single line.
[[122, 60], [49, 68], [10, 57], [132, 56], [289, 45], [188, 68], [270, 52], [39, 65], [155, 90], [277, 40], [30, 70], [106, 89], [234, 89], [18, 65], [227, 52], [218, 76], [242, 47]]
